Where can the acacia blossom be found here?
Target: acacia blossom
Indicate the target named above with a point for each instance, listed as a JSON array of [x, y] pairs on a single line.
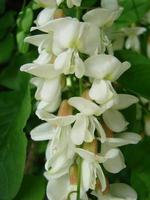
[[85, 135]]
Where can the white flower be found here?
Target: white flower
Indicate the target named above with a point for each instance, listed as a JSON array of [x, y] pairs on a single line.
[[102, 17], [133, 41], [113, 118], [101, 91], [120, 139], [118, 191], [66, 190], [42, 41], [85, 123], [45, 16], [60, 150], [69, 38], [106, 67], [91, 168], [48, 81]]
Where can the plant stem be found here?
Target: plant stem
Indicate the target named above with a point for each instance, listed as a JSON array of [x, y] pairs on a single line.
[[79, 179]]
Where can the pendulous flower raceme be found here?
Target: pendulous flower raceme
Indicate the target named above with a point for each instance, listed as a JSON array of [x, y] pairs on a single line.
[[84, 131]]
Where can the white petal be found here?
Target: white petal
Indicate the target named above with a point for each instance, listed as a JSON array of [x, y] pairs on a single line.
[[116, 164], [79, 129], [125, 100], [115, 120], [50, 106], [110, 4], [42, 41], [49, 89], [79, 66], [102, 17], [63, 61], [101, 91], [122, 139], [100, 130], [77, 2], [43, 58], [101, 177], [89, 39], [43, 132], [85, 106], [42, 71], [123, 191], [87, 155], [44, 16], [86, 174], [105, 67], [53, 185], [55, 120]]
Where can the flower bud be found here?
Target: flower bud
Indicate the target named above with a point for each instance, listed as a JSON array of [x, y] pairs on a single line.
[[108, 131], [99, 187], [65, 109], [73, 174], [85, 94], [92, 146], [59, 14], [53, 58]]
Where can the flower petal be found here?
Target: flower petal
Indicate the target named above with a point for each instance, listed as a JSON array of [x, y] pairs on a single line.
[[101, 91], [101, 177], [43, 71], [85, 106], [105, 67], [123, 191], [100, 130], [43, 132], [44, 16], [79, 66], [124, 101], [115, 120], [102, 16], [79, 128], [55, 120], [53, 185], [115, 164]]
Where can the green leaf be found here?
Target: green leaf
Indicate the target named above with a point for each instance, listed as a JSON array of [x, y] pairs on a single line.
[[6, 48], [140, 181], [11, 76], [22, 46], [138, 162], [7, 22], [2, 6], [33, 188], [133, 11], [25, 20], [137, 77], [15, 109], [88, 3]]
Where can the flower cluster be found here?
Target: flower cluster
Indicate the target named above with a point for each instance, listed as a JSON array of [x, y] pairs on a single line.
[[85, 135]]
